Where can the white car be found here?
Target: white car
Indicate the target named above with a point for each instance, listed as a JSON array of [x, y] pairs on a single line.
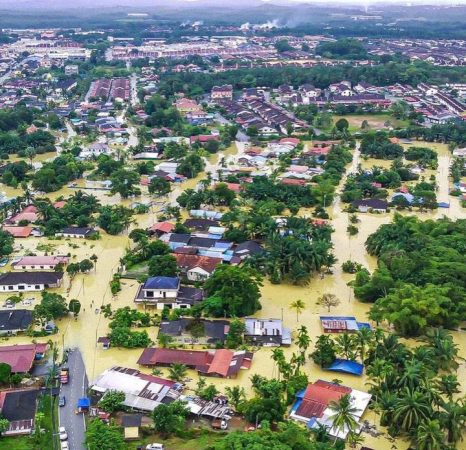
[[64, 445], [155, 446], [63, 434]]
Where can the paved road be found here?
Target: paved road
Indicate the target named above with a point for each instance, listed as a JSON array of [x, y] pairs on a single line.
[[75, 389]]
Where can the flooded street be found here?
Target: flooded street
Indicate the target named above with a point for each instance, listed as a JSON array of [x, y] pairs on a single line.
[[93, 291]]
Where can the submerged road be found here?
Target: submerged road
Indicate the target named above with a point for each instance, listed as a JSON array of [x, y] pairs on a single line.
[[74, 390]]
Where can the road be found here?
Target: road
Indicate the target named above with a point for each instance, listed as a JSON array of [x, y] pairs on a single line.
[[241, 136], [74, 390]]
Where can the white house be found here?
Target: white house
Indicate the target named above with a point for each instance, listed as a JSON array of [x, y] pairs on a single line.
[[39, 262], [29, 281]]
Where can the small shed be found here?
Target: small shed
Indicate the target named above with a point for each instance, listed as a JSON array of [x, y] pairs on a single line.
[[131, 424], [346, 366], [105, 341]]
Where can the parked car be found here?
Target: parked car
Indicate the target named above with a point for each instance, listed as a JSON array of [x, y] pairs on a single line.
[[63, 434], [155, 446], [64, 445], [4, 262], [62, 401]]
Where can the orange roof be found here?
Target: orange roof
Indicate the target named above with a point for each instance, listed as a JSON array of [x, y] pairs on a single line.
[[221, 362], [59, 205], [18, 232], [394, 140], [293, 182], [29, 213], [207, 263], [164, 227]]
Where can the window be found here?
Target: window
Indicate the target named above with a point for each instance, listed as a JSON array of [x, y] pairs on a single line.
[[36, 286], [149, 294], [21, 287], [10, 288]]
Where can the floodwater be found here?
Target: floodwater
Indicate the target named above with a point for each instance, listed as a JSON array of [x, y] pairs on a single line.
[[92, 290]]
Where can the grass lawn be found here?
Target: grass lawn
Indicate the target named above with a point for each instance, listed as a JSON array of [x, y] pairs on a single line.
[[376, 121], [201, 440], [16, 443]]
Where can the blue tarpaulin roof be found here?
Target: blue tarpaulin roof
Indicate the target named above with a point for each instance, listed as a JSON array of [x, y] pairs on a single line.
[[346, 366], [84, 402]]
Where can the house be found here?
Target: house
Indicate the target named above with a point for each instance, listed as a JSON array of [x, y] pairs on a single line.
[[186, 105], [167, 292], [18, 406], [217, 363], [105, 341], [370, 204], [197, 268], [222, 92], [76, 232], [142, 392], [131, 424], [71, 69], [21, 357], [39, 262], [96, 149], [146, 392], [312, 406], [266, 332], [29, 281], [14, 321], [341, 324], [191, 331], [247, 248], [203, 138], [200, 224], [161, 228], [18, 232], [28, 214]]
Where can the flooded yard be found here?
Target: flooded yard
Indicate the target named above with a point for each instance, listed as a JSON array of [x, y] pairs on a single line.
[[93, 291]]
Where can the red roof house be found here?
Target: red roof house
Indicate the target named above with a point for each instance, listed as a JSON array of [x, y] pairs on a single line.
[[21, 357], [202, 138], [18, 232]]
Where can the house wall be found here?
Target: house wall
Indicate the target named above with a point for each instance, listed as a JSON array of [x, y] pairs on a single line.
[[155, 294], [24, 288], [34, 267], [197, 274]]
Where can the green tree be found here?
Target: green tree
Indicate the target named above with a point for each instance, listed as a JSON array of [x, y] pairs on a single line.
[[100, 436], [429, 436], [5, 372], [411, 409], [163, 265], [124, 183], [298, 306], [52, 306], [343, 414], [112, 401], [74, 307], [159, 186], [233, 291], [236, 396], [328, 301], [169, 418], [177, 372], [4, 424], [235, 334], [325, 351], [6, 243]]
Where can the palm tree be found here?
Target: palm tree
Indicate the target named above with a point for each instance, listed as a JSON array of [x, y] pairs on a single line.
[[164, 340], [345, 345], [363, 338], [411, 408], [344, 415], [177, 372], [298, 306], [429, 436], [303, 340], [94, 259], [448, 385], [453, 420], [236, 395], [413, 374]]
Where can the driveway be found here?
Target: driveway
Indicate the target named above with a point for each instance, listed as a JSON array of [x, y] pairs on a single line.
[[75, 389]]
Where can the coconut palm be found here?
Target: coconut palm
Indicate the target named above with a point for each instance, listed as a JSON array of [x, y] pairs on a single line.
[[303, 339], [298, 306], [177, 372], [236, 395], [411, 408], [345, 345], [344, 415], [429, 436], [363, 338], [164, 340], [413, 374], [448, 385], [453, 420]]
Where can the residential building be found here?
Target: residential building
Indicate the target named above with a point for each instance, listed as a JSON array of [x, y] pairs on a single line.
[[192, 331], [196, 267], [29, 281], [222, 92], [370, 204], [39, 262], [312, 406], [341, 324], [266, 332], [19, 408], [76, 232], [167, 292], [71, 69], [217, 363], [21, 357], [14, 321]]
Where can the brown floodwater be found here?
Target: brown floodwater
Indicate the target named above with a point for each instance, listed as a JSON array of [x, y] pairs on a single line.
[[92, 290]]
